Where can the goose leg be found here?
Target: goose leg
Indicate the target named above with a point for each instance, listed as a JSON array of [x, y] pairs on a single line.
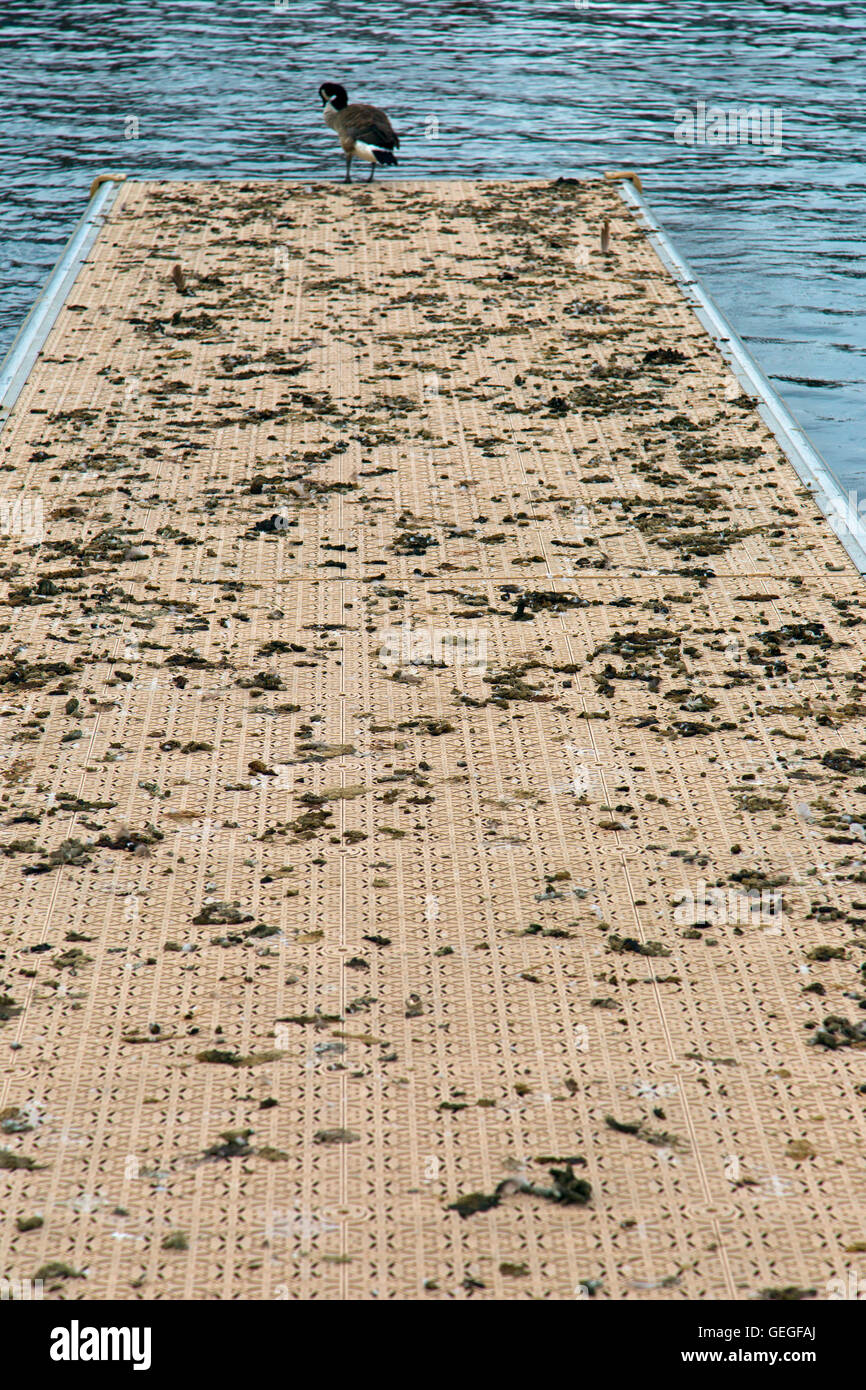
[[372, 172], [348, 178]]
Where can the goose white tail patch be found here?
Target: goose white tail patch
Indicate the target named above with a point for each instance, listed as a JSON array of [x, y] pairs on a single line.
[[364, 151]]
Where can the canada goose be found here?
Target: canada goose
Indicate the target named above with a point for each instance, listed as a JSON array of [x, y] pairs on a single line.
[[363, 131]]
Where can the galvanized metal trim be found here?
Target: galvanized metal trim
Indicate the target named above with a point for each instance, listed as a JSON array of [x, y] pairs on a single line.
[[34, 331], [812, 469]]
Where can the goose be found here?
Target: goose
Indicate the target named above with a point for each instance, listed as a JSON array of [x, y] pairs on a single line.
[[363, 131]]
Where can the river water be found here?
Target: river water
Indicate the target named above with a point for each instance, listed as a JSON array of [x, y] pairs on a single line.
[[771, 216]]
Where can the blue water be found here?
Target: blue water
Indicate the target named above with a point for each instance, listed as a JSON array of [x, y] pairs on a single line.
[[516, 87]]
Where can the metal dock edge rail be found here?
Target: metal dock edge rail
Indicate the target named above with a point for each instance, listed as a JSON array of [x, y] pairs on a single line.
[[812, 468], [28, 343]]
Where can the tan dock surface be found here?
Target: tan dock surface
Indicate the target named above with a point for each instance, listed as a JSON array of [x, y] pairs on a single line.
[[344, 865]]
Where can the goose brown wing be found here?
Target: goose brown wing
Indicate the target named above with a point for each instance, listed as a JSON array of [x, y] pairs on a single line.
[[371, 125]]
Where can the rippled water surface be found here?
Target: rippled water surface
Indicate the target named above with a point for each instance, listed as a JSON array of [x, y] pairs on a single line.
[[512, 88]]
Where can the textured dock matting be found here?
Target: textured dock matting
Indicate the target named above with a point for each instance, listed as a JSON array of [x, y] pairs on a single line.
[[346, 866]]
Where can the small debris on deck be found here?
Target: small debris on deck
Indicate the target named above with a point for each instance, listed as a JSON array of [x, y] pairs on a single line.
[[432, 723]]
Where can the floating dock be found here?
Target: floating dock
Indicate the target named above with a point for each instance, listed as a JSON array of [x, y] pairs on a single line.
[[433, 766]]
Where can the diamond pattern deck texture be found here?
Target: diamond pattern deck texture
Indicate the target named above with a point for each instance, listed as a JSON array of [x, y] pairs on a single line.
[[551, 638]]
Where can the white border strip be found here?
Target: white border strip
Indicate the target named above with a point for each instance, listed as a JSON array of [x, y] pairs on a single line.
[[810, 467], [31, 337]]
